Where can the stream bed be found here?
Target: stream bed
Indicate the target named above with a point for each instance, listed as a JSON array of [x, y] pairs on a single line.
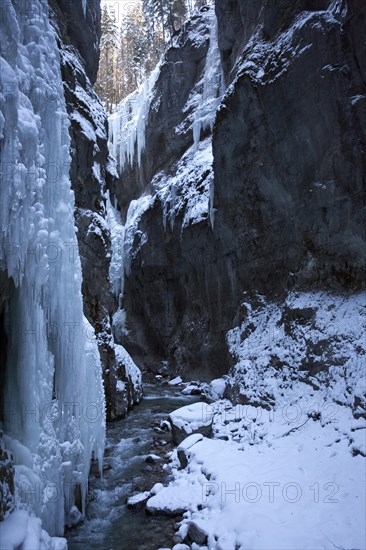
[[110, 525]]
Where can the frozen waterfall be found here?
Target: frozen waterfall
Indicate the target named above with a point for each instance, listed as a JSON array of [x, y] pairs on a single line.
[[127, 124], [212, 84], [54, 413]]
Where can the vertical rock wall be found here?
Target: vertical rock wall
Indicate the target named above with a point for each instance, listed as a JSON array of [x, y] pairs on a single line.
[[287, 185]]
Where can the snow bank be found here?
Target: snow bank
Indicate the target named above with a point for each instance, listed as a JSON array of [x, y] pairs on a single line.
[[285, 473], [316, 337]]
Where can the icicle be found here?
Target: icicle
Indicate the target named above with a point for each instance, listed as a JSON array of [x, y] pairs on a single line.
[[213, 85], [127, 124], [53, 379], [116, 270]]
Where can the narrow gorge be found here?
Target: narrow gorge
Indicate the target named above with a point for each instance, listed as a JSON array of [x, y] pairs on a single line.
[[182, 299]]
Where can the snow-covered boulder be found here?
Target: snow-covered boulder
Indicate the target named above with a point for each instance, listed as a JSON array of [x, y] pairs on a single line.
[[216, 389], [175, 499], [138, 500], [176, 381], [197, 534], [185, 446], [191, 419]]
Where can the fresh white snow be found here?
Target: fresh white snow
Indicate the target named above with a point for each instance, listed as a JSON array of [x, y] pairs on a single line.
[[285, 469], [191, 417]]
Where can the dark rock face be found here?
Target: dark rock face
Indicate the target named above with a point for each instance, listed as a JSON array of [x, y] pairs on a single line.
[[83, 30], [173, 298], [289, 162], [176, 286], [6, 463], [289, 165], [90, 174], [6, 288]]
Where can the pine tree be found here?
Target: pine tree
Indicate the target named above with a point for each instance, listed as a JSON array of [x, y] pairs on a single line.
[[168, 14], [134, 49], [107, 76], [129, 54]]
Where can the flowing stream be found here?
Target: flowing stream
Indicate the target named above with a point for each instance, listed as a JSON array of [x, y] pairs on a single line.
[[110, 525]]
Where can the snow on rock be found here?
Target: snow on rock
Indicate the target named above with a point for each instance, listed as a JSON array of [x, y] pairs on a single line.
[[190, 419], [138, 500], [175, 499], [285, 467], [316, 337], [134, 237], [194, 388], [216, 389], [53, 378], [189, 441], [175, 381], [130, 384], [185, 445], [132, 371], [187, 194]]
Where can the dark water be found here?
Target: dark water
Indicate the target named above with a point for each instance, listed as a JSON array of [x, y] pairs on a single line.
[[110, 525]]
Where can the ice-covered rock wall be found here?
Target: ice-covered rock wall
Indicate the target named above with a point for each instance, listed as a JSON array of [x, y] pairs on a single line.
[[91, 172], [53, 406]]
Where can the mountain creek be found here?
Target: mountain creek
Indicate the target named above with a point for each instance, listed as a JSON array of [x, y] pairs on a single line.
[[110, 524]]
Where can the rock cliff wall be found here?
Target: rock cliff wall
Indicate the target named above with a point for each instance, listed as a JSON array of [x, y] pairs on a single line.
[[281, 204]]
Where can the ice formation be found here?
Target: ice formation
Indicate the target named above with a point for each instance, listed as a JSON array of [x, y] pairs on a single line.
[[127, 124], [213, 85], [54, 399], [116, 269]]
